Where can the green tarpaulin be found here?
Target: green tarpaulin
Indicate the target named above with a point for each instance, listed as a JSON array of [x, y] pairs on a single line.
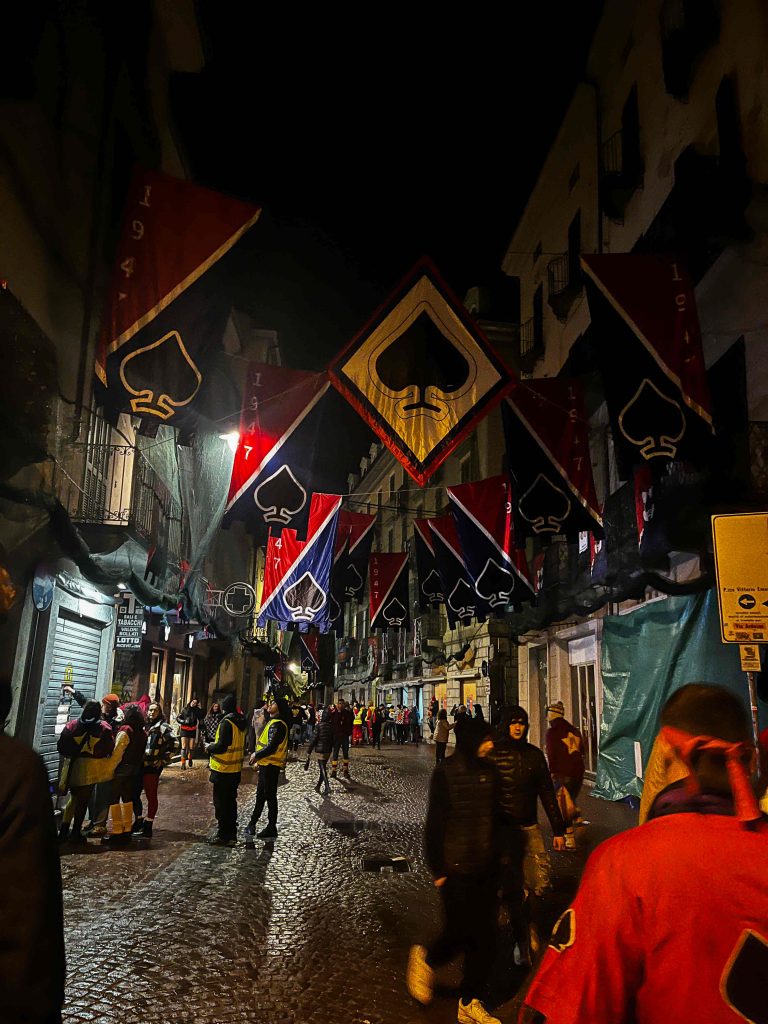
[[646, 656]]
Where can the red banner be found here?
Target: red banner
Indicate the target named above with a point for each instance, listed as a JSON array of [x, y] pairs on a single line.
[[389, 600]]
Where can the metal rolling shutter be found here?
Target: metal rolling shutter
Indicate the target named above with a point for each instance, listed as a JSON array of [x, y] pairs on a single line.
[[77, 642]]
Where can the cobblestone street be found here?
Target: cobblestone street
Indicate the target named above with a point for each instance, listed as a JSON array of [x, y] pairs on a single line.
[[171, 929]]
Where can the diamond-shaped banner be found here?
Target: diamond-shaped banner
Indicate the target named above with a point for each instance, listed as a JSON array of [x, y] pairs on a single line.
[[421, 372]]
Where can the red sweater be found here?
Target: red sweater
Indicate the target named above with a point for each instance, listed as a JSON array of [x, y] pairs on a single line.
[[670, 923], [565, 749]]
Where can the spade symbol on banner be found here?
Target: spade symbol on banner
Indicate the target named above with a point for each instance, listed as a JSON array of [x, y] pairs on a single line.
[[652, 422], [394, 613], [280, 497], [746, 981], [162, 377], [495, 584], [423, 362], [461, 600], [544, 506], [432, 588], [305, 598], [353, 580], [335, 609]]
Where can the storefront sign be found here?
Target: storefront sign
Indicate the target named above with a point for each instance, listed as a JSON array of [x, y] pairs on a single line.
[[741, 563], [128, 633]]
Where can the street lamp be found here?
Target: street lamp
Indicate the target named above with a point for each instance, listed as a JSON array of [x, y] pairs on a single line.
[[232, 439]]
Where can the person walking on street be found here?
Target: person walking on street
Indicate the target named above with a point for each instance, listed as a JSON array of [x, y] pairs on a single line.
[[271, 755], [341, 723], [226, 764], [460, 845], [670, 922], [98, 805], [357, 725], [128, 756], [377, 724], [413, 722], [400, 723], [390, 732], [158, 754], [322, 744], [210, 723], [297, 726], [477, 713], [565, 754], [189, 719], [87, 742], [525, 779], [434, 708], [442, 731]]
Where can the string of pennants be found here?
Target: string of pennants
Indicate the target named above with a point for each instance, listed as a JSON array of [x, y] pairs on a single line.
[[422, 374]]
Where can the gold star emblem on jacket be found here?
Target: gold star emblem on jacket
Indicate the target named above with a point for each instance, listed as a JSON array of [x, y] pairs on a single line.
[[572, 742]]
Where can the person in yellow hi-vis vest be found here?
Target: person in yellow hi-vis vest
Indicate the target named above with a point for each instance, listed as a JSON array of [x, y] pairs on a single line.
[[226, 764], [271, 754]]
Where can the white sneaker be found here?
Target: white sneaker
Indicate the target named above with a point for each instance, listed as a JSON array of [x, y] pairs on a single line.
[[475, 1013], [419, 976]]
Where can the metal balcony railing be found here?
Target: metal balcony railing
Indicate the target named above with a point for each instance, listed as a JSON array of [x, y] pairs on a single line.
[[113, 485], [527, 337]]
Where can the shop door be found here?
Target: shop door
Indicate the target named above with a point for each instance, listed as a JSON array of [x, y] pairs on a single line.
[[180, 696], [585, 701], [537, 683], [75, 660], [441, 692]]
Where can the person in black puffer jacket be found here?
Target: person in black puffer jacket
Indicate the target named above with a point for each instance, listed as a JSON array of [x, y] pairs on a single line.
[[461, 850], [322, 744], [524, 780]]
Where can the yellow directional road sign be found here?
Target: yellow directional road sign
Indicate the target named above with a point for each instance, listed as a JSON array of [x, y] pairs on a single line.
[[741, 563]]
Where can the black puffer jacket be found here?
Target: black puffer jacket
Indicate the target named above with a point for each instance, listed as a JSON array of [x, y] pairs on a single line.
[[524, 778], [322, 741], [460, 825]]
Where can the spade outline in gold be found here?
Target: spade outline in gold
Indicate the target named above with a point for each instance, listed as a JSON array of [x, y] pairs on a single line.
[[165, 406], [651, 447]]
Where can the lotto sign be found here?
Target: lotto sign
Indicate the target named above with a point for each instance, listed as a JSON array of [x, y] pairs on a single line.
[[741, 563]]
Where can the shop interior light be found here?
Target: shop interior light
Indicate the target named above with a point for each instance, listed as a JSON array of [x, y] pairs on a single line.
[[231, 438], [122, 586], [293, 667]]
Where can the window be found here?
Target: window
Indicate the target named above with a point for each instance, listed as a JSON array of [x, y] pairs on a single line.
[[465, 469], [574, 248], [392, 485], [391, 539]]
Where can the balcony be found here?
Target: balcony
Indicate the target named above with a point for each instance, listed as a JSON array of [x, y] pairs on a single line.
[[113, 494], [530, 344], [564, 283], [622, 174]]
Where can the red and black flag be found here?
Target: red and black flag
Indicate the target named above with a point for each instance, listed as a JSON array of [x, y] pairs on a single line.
[[430, 586], [547, 438], [484, 518], [310, 652], [462, 601], [421, 373], [297, 573], [277, 467], [169, 301], [389, 591], [353, 545], [643, 312]]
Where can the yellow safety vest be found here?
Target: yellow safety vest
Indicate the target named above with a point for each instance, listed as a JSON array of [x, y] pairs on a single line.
[[281, 754], [232, 759]]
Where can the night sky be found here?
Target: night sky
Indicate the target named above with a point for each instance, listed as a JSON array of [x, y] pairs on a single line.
[[372, 141]]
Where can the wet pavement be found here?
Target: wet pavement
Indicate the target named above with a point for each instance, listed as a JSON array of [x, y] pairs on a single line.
[[291, 932]]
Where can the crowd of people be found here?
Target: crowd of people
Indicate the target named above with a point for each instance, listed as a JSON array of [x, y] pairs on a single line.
[[671, 918]]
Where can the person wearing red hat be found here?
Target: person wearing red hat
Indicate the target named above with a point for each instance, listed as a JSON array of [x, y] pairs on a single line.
[[670, 922]]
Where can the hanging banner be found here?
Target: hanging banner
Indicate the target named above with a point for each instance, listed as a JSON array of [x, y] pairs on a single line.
[[297, 574], [547, 439], [277, 467], [462, 601], [356, 531], [421, 373], [483, 515], [169, 300], [643, 312], [430, 588], [310, 654], [390, 601]]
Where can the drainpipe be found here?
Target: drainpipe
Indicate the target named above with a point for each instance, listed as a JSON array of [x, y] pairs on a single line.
[[595, 86]]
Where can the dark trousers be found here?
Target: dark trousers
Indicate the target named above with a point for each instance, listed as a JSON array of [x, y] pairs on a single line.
[[266, 793], [225, 802], [377, 735], [80, 797], [400, 733], [440, 752], [470, 911], [340, 744]]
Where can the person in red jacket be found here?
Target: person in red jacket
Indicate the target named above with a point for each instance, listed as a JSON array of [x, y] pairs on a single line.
[[565, 756], [671, 919]]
